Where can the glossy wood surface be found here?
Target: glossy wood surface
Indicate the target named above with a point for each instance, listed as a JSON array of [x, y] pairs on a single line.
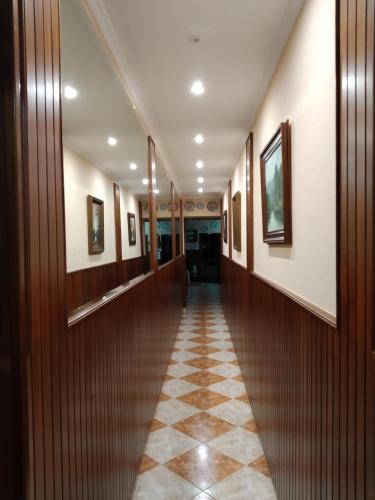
[[88, 284]]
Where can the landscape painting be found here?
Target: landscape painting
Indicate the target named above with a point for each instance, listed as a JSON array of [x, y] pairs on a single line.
[[275, 164], [274, 190], [132, 229]]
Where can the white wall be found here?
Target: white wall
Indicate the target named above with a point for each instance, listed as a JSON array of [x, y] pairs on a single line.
[[239, 184], [303, 91], [128, 203], [81, 178], [226, 207]]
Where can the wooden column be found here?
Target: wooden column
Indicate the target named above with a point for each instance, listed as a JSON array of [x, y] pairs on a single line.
[[173, 222], [249, 201], [152, 204], [230, 219]]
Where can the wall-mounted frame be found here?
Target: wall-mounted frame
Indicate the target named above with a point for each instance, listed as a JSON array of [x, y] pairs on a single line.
[[95, 225], [275, 170], [225, 226], [132, 230], [236, 211]]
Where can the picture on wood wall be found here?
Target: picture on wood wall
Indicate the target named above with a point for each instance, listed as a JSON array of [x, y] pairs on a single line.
[[236, 209], [132, 229], [225, 226], [95, 225], [275, 165]]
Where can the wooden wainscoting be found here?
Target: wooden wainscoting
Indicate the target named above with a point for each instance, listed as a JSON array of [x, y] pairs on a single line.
[[293, 364], [112, 365], [88, 284]]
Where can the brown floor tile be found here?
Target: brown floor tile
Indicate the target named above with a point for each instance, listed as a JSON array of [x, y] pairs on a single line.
[[156, 425], [202, 331], [147, 463], [172, 362], [203, 350], [260, 464], [203, 466], [239, 378], [235, 362], [203, 339], [164, 397], [203, 399], [250, 426], [168, 377], [203, 378], [203, 362], [203, 427], [203, 324], [244, 398]]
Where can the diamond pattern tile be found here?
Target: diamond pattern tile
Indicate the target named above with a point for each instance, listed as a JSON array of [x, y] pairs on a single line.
[[203, 399], [203, 378], [203, 427], [203, 442], [203, 466]]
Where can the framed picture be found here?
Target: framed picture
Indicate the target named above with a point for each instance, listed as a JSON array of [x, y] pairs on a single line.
[[95, 225], [275, 166], [225, 226], [191, 236], [132, 229], [236, 209]]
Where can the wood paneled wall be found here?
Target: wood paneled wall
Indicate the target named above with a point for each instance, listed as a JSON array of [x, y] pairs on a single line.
[[91, 283], [112, 367], [312, 385]]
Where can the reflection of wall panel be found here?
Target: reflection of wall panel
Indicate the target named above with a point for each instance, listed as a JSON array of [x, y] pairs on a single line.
[[91, 283], [236, 209]]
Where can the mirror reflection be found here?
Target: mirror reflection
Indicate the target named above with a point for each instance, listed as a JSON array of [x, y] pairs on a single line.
[[105, 165], [163, 191], [177, 215]]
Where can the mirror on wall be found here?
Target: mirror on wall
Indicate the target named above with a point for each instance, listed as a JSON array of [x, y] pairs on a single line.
[[162, 188], [177, 215], [105, 158]]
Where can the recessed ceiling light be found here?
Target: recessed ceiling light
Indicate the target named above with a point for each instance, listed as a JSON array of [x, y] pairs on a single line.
[[112, 141], [197, 88], [200, 190], [145, 181], [200, 164], [133, 166], [134, 106], [70, 92], [200, 180], [156, 191], [199, 139]]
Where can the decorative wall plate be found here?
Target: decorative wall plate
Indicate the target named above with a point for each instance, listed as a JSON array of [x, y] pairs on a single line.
[[212, 206], [189, 206], [200, 205], [163, 207]]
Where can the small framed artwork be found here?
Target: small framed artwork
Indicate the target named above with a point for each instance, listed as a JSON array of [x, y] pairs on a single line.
[[95, 225], [225, 226], [236, 209], [132, 229], [275, 169]]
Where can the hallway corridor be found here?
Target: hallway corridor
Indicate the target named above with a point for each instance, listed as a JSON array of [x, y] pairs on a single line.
[[203, 442]]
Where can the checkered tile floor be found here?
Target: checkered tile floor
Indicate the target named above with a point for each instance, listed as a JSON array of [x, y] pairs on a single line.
[[203, 442]]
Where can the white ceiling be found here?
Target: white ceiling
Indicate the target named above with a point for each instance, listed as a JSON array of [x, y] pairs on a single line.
[[241, 43]]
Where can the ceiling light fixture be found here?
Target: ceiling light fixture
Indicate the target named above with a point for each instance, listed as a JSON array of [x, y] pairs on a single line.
[[133, 166], [200, 190], [156, 191], [197, 88], [199, 139], [70, 92], [112, 141], [199, 164], [145, 181], [200, 180]]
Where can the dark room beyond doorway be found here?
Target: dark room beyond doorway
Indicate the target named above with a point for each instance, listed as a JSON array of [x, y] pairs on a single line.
[[202, 245]]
